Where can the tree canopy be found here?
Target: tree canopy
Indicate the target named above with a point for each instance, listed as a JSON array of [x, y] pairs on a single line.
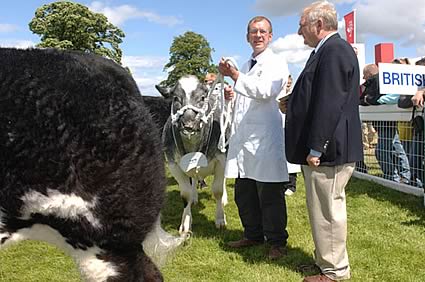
[[68, 25], [190, 53]]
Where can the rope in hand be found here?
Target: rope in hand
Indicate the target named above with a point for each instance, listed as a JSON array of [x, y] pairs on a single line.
[[226, 108]]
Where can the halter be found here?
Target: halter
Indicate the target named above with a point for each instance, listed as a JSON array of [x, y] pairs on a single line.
[[204, 118], [201, 117]]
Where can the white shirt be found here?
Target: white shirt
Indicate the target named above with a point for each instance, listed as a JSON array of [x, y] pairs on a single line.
[[256, 146]]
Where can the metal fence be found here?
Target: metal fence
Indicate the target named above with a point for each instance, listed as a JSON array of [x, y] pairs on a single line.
[[393, 150]]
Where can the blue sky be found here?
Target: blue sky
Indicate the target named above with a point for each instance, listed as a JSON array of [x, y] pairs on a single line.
[[151, 25]]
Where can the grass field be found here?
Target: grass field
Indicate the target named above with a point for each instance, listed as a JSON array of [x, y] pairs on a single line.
[[386, 242]]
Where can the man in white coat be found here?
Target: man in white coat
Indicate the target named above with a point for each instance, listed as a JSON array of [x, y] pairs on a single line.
[[256, 147]]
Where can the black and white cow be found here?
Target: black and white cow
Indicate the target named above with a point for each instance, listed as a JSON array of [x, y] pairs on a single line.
[[160, 108], [81, 161], [191, 137]]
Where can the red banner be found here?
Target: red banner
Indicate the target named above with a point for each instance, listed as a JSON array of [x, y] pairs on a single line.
[[350, 27]]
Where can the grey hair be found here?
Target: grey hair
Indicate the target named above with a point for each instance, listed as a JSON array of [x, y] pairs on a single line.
[[322, 10]]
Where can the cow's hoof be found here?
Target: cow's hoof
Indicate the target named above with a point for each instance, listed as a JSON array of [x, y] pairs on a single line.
[[220, 224], [185, 235]]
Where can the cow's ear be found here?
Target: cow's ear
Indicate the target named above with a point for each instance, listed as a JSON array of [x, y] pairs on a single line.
[[164, 90]]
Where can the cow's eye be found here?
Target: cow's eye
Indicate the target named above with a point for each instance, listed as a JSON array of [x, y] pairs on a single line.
[[177, 105]]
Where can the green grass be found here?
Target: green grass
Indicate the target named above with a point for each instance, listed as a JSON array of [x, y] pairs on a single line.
[[386, 242]]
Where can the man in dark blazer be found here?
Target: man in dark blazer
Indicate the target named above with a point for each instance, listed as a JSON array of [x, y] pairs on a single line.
[[323, 134]]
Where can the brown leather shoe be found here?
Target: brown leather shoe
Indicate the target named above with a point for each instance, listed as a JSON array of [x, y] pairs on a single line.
[[308, 269], [318, 278], [276, 252], [242, 243]]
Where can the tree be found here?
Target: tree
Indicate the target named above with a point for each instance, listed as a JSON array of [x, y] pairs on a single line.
[[190, 53], [67, 25]]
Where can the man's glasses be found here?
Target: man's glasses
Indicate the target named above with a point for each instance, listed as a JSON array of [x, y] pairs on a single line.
[[256, 30]]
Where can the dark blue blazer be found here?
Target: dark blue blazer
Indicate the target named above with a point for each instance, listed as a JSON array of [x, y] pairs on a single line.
[[323, 111]]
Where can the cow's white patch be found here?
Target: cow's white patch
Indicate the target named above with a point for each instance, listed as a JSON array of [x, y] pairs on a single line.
[[66, 206], [92, 268], [188, 84]]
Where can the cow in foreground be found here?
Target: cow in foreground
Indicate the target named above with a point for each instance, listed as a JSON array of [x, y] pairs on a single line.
[[160, 108], [191, 137], [81, 161]]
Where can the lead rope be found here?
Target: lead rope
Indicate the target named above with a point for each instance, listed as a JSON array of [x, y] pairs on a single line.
[[226, 109]]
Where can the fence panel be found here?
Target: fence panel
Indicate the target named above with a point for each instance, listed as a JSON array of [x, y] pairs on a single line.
[[393, 150]]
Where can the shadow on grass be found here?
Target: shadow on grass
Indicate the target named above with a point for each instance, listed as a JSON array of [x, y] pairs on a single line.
[[173, 210], [295, 257], [203, 226], [413, 204]]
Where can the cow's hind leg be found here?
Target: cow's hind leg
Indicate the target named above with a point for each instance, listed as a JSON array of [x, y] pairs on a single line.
[[189, 195], [220, 194]]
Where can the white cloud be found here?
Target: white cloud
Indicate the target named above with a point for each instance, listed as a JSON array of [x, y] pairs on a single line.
[[144, 61], [147, 72], [8, 28], [392, 20], [119, 14], [289, 7], [292, 47], [22, 44], [147, 84]]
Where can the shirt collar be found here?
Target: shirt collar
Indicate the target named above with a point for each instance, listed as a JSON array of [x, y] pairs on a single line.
[[261, 55], [321, 42]]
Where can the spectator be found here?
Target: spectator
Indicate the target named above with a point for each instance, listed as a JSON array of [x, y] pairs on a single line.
[[293, 169], [210, 78], [415, 146], [389, 151], [399, 162]]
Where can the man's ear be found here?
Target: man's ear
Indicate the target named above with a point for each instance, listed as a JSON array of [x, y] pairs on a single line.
[[319, 25], [247, 37]]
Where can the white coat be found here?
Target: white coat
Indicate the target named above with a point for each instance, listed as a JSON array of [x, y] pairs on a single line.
[[256, 146]]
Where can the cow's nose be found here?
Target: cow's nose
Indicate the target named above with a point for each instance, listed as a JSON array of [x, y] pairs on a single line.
[[189, 115]]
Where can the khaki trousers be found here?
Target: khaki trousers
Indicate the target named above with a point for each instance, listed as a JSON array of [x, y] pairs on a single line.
[[325, 194]]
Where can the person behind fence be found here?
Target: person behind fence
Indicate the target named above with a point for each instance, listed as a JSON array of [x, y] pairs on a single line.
[[256, 147], [367, 91], [389, 151], [323, 134], [368, 131], [414, 134]]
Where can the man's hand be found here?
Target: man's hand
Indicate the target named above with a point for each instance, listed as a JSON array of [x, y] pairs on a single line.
[[229, 93], [283, 105], [418, 98], [227, 70], [313, 161]]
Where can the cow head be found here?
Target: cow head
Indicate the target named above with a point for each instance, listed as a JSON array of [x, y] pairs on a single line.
[[191, 105]]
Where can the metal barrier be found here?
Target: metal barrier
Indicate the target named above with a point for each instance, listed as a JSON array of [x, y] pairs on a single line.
[[393, 152]]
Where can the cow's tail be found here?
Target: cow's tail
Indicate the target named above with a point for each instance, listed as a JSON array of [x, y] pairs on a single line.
[[160, 245]]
